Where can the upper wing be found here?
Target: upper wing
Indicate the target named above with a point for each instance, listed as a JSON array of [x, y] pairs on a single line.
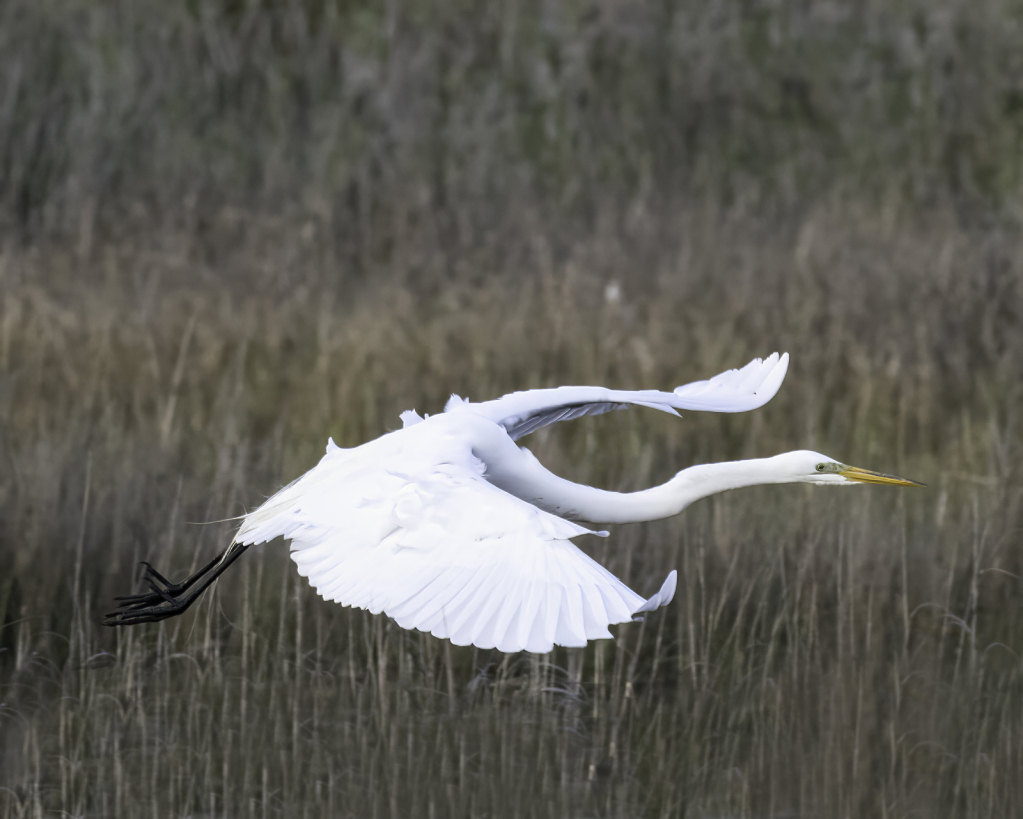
[[440, 549], [521, 413]]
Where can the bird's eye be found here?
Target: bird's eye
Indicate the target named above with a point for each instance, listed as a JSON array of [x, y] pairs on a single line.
[[820, 467]]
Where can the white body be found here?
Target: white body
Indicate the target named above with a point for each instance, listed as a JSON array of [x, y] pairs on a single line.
[[448, 527]]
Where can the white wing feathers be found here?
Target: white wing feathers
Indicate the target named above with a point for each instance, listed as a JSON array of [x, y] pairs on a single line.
[[521, 413], [408, 525], [438, 548], [736, 390]]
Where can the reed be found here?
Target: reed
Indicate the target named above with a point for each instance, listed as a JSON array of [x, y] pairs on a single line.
[[231, 230]]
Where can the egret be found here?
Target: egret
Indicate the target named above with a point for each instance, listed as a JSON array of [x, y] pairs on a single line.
[[449, 527]]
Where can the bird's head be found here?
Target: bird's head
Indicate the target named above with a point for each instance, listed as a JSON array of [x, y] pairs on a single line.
[[805, 466]]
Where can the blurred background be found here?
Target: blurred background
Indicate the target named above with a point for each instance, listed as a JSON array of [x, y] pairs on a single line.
[[230, 229]]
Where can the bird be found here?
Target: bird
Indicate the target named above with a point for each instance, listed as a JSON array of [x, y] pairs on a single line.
[[448, 526]]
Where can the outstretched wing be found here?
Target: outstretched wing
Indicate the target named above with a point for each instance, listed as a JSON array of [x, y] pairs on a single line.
[[440, 549], [521, 413]]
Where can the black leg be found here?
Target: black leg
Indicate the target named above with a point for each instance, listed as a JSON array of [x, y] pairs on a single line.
[[170, 599]]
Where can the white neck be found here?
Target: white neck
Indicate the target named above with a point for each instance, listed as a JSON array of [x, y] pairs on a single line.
[[543, 488]]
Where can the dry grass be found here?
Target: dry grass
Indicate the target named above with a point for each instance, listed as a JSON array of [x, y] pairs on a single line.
[[840, 653], [230, 230]]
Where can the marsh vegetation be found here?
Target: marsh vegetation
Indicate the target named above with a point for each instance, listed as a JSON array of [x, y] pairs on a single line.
[[230, 230]]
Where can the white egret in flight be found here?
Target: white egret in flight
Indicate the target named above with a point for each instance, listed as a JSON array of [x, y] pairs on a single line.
[[447, 526]]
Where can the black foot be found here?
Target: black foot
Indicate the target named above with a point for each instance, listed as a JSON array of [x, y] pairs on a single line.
[[143, 613], [161, 590], [166, 599]]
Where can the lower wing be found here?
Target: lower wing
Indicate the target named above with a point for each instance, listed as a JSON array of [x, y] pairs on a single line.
[[448, 553]]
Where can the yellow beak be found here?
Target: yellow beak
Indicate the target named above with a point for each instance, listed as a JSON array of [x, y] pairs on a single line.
[[854, 473]]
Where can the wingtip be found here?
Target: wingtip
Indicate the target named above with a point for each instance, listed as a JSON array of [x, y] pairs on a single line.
[[773, 377], [664, 596]]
